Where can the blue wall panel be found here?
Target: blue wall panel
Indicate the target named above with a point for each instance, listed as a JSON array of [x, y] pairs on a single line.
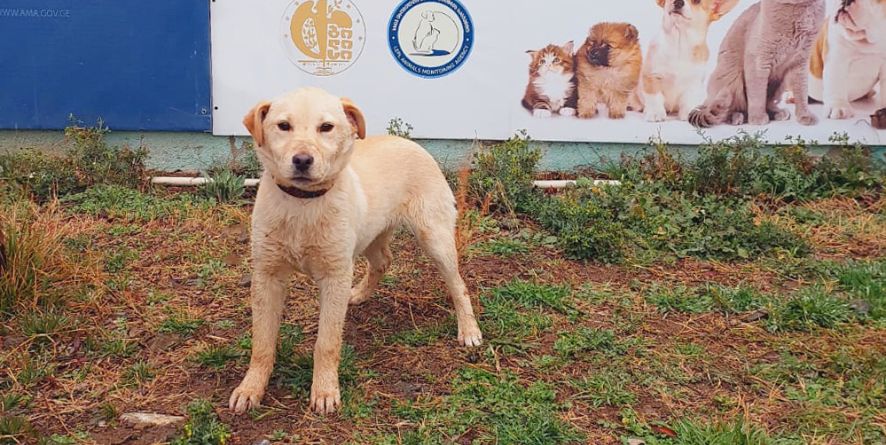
[[138, 65]]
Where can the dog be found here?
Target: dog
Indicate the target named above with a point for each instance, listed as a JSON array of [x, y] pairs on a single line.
[[765, 51], [327, 195], [607, 69], [849, 59], [675, 67]]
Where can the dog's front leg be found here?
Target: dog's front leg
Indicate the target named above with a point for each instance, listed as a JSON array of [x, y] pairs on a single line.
[[335, 291], [268, 295], [836, 86]]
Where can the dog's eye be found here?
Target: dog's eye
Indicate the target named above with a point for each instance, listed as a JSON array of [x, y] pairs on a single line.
[[284, 126], [556, 60], [326, 127]]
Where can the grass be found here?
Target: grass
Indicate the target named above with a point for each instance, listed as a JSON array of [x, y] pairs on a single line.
[[181, 323], [217, 357], [491, 407], [573, 344], [736, 297]]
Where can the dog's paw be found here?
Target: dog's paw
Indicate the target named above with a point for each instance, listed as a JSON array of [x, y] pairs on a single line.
[[807, 118], [567, 111], [587, 113], [736, 118], [246, 397], [470, 335], [658, 115], [541, 112], [359, 295], [758, 119], [839, 111], [325, 400]]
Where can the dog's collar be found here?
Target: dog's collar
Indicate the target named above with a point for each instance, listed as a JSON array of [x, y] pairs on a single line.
[[296, 192]]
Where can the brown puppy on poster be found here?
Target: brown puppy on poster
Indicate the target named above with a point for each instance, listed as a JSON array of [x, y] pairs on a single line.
[[607, 67]]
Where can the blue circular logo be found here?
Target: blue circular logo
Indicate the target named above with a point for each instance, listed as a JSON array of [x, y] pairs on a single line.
[[431, 38]]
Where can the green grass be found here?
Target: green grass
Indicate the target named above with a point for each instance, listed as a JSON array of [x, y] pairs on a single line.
[[503, 247], [181, 323], [425, 335], [139, 373], [217, 357], [574, 344], [606, 388], [812, 307], [43, 327], [498, 408], [536, 296], [127, 204]]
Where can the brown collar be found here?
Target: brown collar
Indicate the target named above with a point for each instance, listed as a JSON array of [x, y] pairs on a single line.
[[296, 192]]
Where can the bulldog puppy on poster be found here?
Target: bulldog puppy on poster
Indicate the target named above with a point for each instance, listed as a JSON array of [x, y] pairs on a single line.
[[849, 60]]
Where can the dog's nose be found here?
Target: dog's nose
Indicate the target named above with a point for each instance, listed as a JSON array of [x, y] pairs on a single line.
[[302, 162], [678, 4]]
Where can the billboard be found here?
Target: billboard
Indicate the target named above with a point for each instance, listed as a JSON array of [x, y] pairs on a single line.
[[133, 67], [564, 70]]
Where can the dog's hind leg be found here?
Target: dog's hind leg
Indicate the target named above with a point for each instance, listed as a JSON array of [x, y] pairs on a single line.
[[379, 255], [435, 232]]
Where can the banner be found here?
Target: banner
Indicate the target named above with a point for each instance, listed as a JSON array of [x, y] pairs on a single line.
[[625, 71]]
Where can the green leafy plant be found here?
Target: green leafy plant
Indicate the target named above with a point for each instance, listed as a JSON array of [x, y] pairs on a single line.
[[203, 426]]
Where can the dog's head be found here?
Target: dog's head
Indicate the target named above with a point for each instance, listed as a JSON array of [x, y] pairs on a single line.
[[694, 14], [609, 42], [305, 138], [863, 21]]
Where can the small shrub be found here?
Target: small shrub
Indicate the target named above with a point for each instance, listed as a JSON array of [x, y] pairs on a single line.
[[203, 426], [88, 162], [503, 173], [224, 187], [398, 127]]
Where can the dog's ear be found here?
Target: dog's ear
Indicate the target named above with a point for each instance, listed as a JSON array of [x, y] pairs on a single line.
[[719, 8], [631, 33], [661, 3], [355, 117], [531, 52], [254, 119]]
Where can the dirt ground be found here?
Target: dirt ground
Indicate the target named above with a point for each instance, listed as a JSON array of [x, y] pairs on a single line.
[[167, 322]]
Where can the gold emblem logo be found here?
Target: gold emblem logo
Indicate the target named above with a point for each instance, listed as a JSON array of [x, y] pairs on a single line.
[[323, 37]]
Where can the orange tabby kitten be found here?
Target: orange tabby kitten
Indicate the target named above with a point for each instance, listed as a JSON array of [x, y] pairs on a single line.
[[551, 87]]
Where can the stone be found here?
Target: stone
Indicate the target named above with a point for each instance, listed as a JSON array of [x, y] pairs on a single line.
[[146, 420]]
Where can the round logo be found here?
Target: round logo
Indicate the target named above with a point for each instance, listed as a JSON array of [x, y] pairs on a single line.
[[431, 38], [323, 37]]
